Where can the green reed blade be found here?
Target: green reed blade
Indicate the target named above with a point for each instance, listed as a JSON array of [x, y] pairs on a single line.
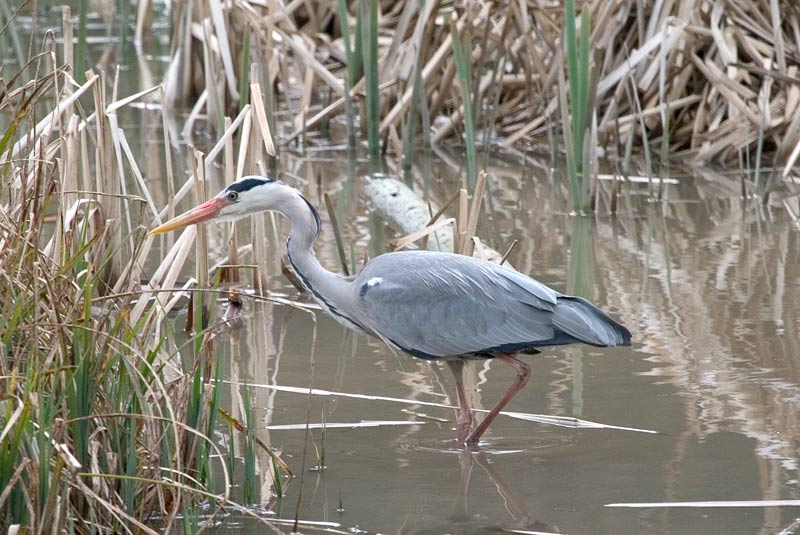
[[572, 58], [349, 46], [580, 103], [336, 233], [369, 31], [250, 476], [464, 75]]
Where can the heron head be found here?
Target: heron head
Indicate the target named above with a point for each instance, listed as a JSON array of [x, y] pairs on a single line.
[[245, 196]]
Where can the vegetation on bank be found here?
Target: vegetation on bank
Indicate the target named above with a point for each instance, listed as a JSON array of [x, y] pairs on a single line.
[[677, 82], [107, 424]]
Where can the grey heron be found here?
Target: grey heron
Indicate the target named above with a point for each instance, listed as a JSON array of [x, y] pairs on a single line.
[[428, 304]]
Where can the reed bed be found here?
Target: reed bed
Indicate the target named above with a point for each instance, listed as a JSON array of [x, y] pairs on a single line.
[[698, 81], [106, 424]]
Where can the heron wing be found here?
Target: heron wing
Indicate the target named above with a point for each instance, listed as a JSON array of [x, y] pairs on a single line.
[[433, 304]]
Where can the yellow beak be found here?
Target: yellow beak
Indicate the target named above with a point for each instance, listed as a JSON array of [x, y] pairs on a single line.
[[208, 210]]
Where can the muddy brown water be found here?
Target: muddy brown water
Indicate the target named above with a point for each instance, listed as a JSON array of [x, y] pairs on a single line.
[[706, 282]]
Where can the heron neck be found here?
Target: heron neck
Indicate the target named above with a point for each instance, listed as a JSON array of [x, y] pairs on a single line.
[[317, 280]]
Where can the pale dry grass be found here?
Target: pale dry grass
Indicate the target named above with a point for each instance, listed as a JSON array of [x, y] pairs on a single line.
[[705, 80], [103, 428]]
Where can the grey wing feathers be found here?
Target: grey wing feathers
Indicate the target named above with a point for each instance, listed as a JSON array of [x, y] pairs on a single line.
[[433, 305], [585, 322]]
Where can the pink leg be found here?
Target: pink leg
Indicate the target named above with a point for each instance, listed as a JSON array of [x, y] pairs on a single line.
[[523, 372], [523, 518], [464, 419], [466, 462]]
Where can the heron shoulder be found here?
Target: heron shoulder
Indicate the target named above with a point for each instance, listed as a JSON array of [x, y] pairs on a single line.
[[434, 275]]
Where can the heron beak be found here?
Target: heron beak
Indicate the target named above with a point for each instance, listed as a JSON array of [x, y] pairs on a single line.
[[208, 210]]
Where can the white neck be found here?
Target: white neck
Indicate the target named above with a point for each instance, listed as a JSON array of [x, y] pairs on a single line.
[[332, 291], [326, 287]]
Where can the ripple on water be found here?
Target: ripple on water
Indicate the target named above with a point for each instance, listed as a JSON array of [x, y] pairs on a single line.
[[496, 445]]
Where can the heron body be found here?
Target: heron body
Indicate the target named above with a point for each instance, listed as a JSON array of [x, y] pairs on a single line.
[[428, 304], [434, 305]]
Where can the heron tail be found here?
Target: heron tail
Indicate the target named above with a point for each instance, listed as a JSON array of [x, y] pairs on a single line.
[[583, 321]]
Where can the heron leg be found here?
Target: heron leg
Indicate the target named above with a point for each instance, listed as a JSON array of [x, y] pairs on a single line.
[[464, 418], [523, 372], [523, 517], [460, 512]]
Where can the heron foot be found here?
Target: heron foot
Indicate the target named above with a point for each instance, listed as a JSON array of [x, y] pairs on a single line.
[[463, 426]]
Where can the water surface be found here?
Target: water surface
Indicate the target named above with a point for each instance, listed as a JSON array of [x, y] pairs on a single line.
[[703, 280]]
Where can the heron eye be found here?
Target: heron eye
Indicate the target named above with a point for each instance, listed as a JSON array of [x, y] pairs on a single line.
[[233, 196]]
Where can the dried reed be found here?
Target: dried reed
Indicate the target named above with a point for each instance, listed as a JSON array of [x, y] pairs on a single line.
[[711, 80], [100, 430]]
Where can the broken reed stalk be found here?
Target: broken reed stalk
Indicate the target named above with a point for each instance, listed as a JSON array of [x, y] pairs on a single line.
[[475, 212], [460, 228], [262, 120]]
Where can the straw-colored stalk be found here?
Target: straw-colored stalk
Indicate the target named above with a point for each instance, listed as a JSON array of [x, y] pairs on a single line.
[[94, 433]]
